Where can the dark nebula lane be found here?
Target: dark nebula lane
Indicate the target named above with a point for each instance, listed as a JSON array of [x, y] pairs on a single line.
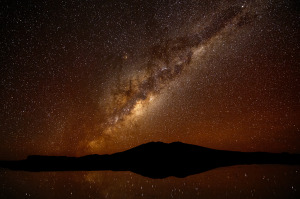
[[167, 61]]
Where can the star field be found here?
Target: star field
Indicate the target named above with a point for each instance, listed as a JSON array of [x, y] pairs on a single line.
[[103, 76]]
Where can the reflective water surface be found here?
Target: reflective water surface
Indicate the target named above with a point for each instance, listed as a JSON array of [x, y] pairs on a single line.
[[253, 181]]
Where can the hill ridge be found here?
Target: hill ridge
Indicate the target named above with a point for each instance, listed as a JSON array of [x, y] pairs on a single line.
[[154, 160]]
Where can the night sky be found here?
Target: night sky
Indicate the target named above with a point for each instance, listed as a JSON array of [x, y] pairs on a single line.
[[86, 77]]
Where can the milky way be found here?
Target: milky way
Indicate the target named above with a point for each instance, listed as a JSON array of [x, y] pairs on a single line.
[[166, 62]]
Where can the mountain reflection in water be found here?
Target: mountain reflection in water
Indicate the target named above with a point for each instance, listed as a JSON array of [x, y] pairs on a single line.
[[247, 181]]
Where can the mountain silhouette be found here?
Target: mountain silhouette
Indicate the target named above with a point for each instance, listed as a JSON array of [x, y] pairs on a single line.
[[154, 160]]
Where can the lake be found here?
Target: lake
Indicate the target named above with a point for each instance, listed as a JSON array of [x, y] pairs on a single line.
[[247, 181]]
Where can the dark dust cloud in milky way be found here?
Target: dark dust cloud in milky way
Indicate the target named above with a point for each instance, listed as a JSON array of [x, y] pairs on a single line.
[[82, 77]]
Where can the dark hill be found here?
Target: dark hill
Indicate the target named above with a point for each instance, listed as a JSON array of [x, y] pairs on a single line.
[[154, 159]]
